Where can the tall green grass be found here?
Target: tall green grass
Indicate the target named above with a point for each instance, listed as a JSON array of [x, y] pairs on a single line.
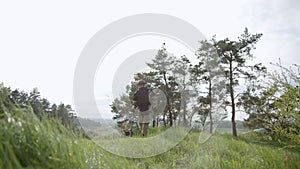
[[31, 142], [28, 141]]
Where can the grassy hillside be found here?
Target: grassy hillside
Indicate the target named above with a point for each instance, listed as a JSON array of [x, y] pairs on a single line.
[[27, 142]]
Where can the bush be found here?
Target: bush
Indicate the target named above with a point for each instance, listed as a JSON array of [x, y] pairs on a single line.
[[278, 106]]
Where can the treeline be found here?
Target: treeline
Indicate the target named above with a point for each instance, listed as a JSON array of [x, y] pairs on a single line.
[[203, 89], [10, 99], [223, 78]]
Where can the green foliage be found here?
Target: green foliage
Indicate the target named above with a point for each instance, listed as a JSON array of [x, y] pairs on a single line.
[[278, 106]]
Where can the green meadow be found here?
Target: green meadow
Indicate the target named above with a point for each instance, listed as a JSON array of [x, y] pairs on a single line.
[[31, 142]]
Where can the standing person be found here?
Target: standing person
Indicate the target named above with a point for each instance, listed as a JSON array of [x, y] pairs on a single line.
[[141, 101]]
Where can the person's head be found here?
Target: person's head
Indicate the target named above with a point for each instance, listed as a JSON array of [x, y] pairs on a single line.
[[141, 83]]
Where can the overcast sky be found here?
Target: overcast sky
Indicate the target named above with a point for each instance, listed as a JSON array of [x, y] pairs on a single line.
[[40, 42]]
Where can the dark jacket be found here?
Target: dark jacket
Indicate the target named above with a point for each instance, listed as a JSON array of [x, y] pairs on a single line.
[[141, 98]]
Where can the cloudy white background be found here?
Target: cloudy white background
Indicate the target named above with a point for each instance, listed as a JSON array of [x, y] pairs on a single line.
[[40, 41]]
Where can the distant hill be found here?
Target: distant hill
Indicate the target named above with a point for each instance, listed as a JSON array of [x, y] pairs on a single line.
[[228, 124], [88, 123], [93, 124]]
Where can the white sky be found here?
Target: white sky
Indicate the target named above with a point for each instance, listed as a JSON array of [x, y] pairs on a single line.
[[40, 42]]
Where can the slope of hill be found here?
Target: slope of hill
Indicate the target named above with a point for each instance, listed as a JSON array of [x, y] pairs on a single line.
[[28, 142]]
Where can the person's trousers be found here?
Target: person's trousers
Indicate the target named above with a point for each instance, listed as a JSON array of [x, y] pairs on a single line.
[[144, 128]]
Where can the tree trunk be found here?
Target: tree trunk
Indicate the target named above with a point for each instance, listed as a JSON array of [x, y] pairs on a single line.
[[210, 107], [164, 119], [234, 133], [171, 118], [184, 106], [168, 99]]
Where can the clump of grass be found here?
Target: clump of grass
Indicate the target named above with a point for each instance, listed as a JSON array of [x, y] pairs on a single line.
[[30, 142]]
